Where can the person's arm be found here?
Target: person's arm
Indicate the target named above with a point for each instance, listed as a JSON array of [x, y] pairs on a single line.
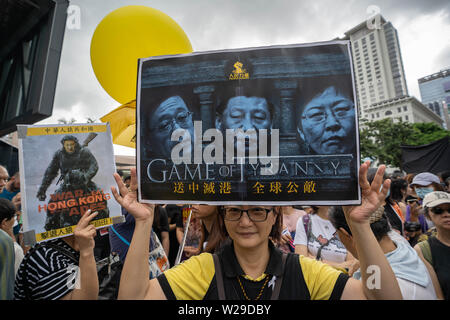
[[180, 233], [433, 276], [300, 240], [415, 211], [134, 281], [402, 207], [164, 228], [50, 173], [350, 263], [302, 250], [172, 226], [17, 202], [165, 242], [84, 241], [378, 279]]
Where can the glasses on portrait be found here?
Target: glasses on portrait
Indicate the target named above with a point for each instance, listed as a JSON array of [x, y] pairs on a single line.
[[440, 210], [318, 115], [183, 119], [254, 214]]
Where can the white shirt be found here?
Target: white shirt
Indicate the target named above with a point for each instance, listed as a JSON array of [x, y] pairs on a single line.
[[321, 230]]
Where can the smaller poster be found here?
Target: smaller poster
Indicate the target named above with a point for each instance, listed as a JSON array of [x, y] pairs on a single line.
[[65, 171], [192, 235]]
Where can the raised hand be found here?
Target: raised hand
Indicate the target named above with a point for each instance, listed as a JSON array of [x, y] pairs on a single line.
[[84, 233], [373, 195], [128, 198], [17, 200]]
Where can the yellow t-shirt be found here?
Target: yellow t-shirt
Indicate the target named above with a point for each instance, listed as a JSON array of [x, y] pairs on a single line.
[[191, 279]]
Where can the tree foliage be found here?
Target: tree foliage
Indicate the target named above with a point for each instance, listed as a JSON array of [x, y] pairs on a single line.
[[382, 139], [425, 133], [65, 121]]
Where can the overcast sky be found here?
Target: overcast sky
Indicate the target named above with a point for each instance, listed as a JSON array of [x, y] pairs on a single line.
[[423, 28]]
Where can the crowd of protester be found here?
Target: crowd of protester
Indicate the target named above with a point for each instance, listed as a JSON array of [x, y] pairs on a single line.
[[410, 226]]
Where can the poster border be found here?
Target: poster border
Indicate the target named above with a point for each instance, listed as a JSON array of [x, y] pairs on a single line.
[[268, 203], [30, 235]]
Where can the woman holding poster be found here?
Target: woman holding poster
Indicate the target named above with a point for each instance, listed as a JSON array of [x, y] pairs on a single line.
[[61, 269], [254, 268]]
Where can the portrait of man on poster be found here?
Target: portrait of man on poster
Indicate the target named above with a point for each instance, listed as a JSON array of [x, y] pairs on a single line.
[[248, 108], [165, 116]]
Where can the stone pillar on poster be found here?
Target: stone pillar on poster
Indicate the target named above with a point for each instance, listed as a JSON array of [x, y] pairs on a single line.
[[288, 134], [207, 108]]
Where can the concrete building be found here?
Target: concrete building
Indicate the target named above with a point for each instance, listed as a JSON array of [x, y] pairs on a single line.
[[406, 108], [435, 93], [381, 89], [378, 65]]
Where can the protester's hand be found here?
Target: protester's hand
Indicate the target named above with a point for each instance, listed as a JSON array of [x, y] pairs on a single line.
[[128, 198], [191, 251], [286, 239], [415, 210], [353, 266], [16, 200], [372, 196], [84, 233]]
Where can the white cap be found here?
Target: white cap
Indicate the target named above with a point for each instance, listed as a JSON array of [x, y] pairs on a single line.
[[436, 198]]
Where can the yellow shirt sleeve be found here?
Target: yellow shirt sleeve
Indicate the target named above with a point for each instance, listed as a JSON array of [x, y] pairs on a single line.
[[191, 279], [320, 278]]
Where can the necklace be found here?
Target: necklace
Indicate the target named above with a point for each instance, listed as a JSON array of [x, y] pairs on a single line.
[[260, 292]]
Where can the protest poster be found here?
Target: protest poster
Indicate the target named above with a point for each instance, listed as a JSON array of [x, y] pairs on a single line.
[[65, 171], [270, 125]]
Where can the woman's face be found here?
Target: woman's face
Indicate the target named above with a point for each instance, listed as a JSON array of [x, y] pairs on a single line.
[[246, 233], [7, 224], [328, 123], [422, 191], [442, 220], [203, 211]]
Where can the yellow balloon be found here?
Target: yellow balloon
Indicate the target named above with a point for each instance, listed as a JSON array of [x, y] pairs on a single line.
[[124, 36]]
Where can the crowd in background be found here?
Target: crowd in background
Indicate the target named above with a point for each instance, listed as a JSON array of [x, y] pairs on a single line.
[[412, 228]]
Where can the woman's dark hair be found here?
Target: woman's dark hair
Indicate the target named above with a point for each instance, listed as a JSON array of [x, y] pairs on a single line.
[[397, 186], [275, 233], [379, 228], [216, 237], [437, 186], [7, 210]]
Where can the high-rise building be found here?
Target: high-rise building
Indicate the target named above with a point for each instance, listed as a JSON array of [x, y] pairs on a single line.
[[378, 63], [435, 93], [381, 89]]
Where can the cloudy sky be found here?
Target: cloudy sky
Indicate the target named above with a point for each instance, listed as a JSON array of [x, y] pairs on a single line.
[[423, 28]]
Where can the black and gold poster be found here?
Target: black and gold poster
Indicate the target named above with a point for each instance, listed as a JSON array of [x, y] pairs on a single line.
[[270, 125]]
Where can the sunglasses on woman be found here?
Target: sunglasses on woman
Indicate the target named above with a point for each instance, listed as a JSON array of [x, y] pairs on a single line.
[[440, 210]]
